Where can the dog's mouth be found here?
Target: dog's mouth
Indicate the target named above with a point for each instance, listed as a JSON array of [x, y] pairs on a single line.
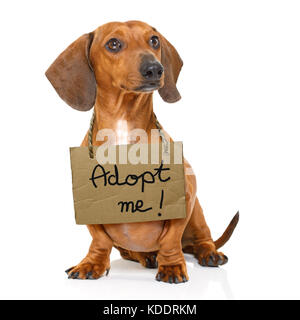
[[148, 86]]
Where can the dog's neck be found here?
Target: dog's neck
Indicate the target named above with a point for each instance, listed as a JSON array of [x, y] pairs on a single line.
[[123, 111]]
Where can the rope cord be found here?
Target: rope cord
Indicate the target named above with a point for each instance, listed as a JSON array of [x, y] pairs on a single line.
[[90, 136]]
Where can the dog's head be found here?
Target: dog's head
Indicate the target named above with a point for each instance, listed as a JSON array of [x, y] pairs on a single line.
[[130, 56]]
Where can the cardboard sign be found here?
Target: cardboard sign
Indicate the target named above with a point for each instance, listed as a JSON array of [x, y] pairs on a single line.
[[133, 188]]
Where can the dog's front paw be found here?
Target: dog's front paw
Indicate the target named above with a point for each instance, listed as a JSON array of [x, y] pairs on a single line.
[[172, 274], [88, 270]]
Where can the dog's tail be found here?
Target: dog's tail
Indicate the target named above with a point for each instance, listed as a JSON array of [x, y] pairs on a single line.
[[228, 232]]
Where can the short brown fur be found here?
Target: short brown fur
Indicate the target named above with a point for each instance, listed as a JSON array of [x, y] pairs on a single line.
[[87, 75]]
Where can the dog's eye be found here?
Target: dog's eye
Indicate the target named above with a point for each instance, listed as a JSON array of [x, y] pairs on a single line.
[[154, 42], [113, 45]]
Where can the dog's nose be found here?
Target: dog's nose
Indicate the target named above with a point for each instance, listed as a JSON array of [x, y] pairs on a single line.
[[152, 70]]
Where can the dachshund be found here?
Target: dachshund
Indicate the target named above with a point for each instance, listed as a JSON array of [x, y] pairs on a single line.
[[116, 69]]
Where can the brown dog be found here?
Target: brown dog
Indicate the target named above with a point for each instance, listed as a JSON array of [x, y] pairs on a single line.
[[116, 68]]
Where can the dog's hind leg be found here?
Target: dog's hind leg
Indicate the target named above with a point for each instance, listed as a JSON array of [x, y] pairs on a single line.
[[198, 241], [146, 259]]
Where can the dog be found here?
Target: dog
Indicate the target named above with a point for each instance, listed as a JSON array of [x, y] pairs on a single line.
[[116, 69]]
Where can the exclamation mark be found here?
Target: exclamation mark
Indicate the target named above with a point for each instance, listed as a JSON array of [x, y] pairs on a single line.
[[161, 201]]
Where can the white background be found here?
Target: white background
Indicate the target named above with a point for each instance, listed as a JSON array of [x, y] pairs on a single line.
[[238, 119]]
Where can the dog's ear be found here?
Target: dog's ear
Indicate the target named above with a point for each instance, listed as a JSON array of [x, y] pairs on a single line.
[[172, 64], [72, 76]]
